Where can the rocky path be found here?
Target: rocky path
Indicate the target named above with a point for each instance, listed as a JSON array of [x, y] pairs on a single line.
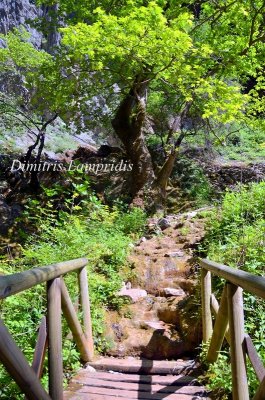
[[162, 321]]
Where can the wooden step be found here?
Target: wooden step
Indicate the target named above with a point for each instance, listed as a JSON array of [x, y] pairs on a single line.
[[136, 379], [84, 377], [90, 396], [98, 385], [150, 367], [111, 394]]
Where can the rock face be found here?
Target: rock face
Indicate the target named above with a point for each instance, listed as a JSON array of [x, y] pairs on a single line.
[[224, 176], [14, 13]]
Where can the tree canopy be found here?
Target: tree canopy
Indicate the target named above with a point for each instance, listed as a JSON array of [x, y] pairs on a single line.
[[151, 58]]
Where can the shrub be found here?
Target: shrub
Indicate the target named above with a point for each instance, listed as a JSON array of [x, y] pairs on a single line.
[[236, 233], [84, 228]]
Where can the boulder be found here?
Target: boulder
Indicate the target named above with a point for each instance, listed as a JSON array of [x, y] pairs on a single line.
[[163, 223], [134, 294], [173, 292]]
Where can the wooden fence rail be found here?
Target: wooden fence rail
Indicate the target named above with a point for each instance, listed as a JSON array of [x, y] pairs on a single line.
[[50, 332], [229, 324]]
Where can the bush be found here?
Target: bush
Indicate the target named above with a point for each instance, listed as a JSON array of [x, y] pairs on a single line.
[[85, 228], [235, 237], [192, 181]]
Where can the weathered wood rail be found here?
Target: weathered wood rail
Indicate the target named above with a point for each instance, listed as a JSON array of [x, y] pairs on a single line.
[[229, 324], [28, 377]]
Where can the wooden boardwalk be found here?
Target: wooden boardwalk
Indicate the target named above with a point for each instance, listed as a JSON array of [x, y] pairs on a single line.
[[136, 379]]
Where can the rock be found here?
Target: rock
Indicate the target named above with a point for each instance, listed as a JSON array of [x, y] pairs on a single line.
[[90, 369], [173, 292], [163, 223], [133, 294], [117, 329], [105, 150], [155, 325], [177, 253], [83, 153], [7, 215]]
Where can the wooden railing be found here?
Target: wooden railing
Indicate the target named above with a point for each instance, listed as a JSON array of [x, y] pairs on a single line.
[[229, 324], [28, 377]]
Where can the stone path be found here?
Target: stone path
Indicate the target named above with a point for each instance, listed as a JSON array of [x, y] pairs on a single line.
[[162, 322]]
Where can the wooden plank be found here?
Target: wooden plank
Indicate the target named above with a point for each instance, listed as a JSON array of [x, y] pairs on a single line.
[[85, 302], [15, 283], [206, 290], [215, 308], [142, 387], [252, 283], [84, 377], [151, 367], [55, 339], [254, 358], [74, 324], [17, 366], [219, 330], [238, 359], [40, 349], [88, 396], [260, 394], [135, 394]]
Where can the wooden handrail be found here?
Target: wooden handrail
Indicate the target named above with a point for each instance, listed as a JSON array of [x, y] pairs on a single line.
[[229, 323], [15, 283], [251, 283], [58, 299]]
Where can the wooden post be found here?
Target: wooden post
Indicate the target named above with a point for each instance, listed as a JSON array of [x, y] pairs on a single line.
[[255, 360], [215, 309], [40, 349], [219, 330], [85, 302], [17, 366], [75, 326], [238, 358], [206, 288], [260, 394], [55, 339]]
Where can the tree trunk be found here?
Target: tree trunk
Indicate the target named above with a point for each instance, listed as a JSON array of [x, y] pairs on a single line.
[[165, 172], [128, 125]]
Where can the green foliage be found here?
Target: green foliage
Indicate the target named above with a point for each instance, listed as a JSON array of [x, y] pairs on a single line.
[[19, 52], [132, 221], [192, 181], [245, 144], [236, 232], [85, 228], [186, 59], [217, 375], [236, 238], [146, 41]]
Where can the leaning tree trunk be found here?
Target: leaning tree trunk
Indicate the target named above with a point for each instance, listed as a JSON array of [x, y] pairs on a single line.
[[128, 125], [147, 189]]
